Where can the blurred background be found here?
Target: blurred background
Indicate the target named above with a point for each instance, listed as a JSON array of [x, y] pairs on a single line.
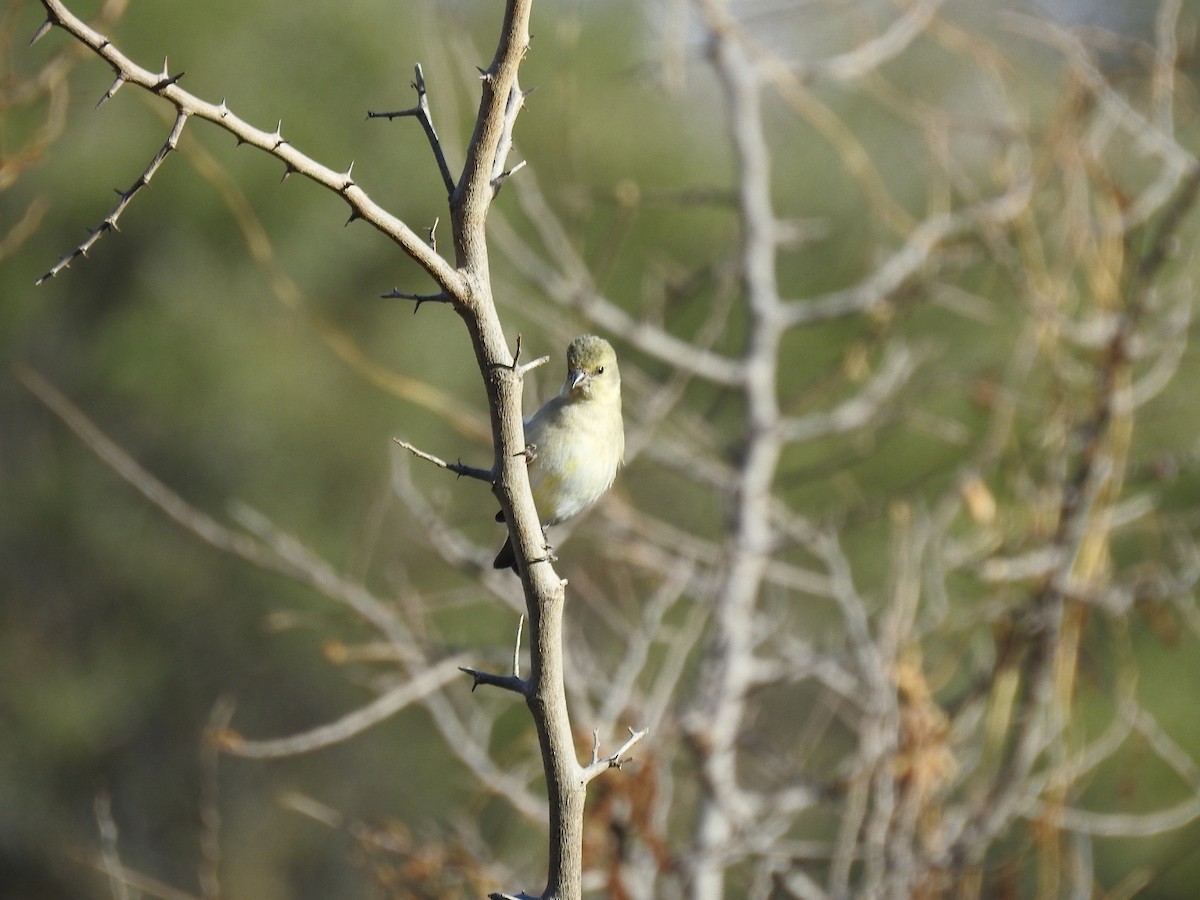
[[231, 341]]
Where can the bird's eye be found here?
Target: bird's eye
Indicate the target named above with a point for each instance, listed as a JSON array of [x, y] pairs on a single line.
[[599, 370]]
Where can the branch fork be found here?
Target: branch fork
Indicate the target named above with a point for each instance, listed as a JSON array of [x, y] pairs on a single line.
[[615, 760], [513, 682], [422, 113]]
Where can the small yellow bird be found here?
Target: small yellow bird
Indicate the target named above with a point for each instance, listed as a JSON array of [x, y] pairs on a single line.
[[578, 438]]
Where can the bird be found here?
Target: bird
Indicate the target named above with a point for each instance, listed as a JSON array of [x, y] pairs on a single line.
[[576, 440]]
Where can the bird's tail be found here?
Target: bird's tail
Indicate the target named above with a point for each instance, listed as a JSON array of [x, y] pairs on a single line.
[[506, 558]]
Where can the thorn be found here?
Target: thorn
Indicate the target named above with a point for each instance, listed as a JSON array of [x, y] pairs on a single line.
[[165, 78], [37, 36], [108, 95], [354, 214], [287, 171], [278, 136], [222, 109], [498, 181]]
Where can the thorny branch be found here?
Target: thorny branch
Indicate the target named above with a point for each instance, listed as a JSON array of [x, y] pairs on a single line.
[[187, 105], [424, 115]]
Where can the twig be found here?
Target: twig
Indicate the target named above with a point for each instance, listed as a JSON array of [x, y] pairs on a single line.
[[110, 854], [1126, 824], [504, 682], [614, 760], [864, 408], [199, 523], [872, 54], [512, 107], [275, 552], [421, 112], [498, 181], [516, 662], [144, 884], [460, 469], [126, 197], [528, 367], [397, 294], [210, 809], [513, 682], [905, 263]]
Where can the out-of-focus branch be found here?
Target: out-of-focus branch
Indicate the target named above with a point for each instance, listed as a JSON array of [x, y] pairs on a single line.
[[894, 372], [902, 266], [410, 691], [1152, 134], [199, 523], [727, 670], [568, 281], [870, 55]]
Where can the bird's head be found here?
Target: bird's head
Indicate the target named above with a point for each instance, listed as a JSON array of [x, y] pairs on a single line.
[[591, 370]]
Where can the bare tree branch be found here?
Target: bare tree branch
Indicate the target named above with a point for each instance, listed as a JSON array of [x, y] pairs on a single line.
[[457, 468], [424, 115], [188, 105], [383, 707]]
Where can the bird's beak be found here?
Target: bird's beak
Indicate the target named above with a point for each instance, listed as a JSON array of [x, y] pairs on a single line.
[[575, 377]]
